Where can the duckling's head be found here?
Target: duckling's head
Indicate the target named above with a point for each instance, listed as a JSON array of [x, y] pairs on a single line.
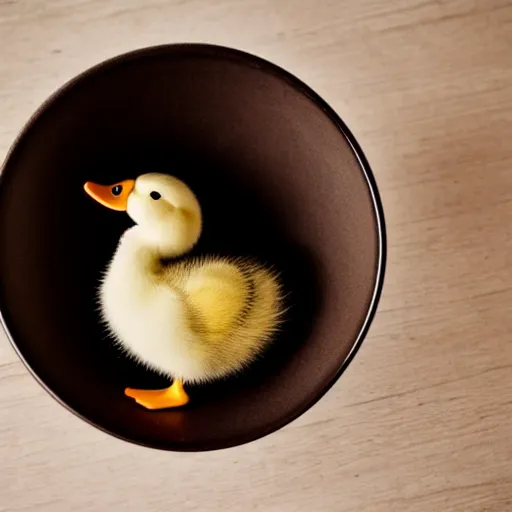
[[165, 210]]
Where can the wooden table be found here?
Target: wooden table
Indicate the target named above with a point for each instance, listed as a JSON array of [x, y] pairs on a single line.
[[422, 419]]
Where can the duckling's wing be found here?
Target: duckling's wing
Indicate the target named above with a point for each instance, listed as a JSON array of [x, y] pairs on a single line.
[[218, 292]]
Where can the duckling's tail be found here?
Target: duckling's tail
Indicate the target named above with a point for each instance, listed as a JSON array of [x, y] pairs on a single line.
[[259, 321], [239, 308], [265, 309]]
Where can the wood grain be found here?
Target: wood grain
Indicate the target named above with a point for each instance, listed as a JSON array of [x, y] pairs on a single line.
[[422, 419]]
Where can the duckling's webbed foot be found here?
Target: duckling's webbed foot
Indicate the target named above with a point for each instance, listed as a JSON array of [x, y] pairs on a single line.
[[173, 396]]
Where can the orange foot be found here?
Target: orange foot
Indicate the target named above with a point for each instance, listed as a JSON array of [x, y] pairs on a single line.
[[174, 396]]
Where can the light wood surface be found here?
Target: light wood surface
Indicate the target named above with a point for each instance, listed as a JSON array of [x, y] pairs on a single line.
[[422, 419]]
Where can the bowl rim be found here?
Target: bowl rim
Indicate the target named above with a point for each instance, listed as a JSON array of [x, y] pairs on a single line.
[[224, 52]]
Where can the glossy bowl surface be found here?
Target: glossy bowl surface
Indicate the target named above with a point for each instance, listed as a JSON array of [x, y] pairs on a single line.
[[279, 177]]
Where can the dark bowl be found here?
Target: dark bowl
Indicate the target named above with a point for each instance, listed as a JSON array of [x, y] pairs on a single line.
[[280, 178]]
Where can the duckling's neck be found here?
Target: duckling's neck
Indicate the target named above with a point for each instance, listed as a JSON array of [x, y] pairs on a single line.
[[135, 252]]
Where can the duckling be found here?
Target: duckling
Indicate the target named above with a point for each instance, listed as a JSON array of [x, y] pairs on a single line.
[[194, 319]]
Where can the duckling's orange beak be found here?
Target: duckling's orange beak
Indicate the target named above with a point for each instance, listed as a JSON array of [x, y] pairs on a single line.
[[112, 196]]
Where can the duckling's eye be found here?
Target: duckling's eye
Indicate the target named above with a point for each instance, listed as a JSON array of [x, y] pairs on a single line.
[[117, 190], [155, 195]]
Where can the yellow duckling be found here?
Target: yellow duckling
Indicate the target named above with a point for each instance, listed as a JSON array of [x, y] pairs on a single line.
[[195, 319]]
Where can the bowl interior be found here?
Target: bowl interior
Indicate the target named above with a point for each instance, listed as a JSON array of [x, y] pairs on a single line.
[[277, 180]]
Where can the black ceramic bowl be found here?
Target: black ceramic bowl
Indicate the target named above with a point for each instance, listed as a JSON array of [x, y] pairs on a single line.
[[279, 177]]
